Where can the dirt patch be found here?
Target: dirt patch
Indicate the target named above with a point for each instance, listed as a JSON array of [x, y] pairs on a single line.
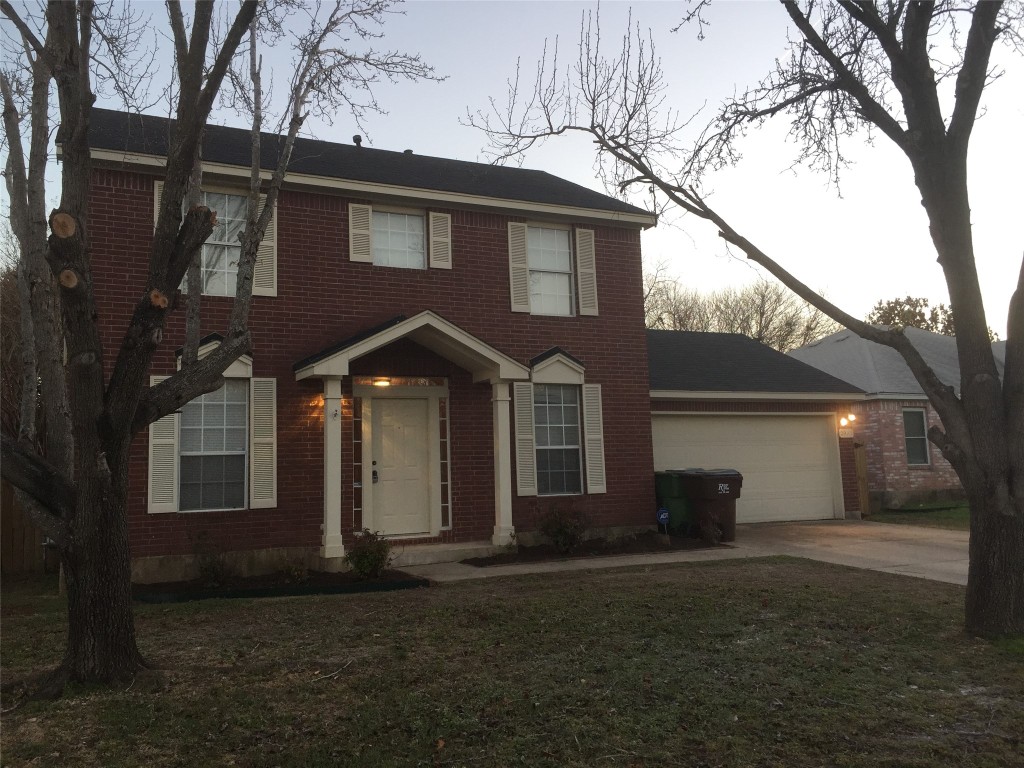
[[640, 544], [280, 584]]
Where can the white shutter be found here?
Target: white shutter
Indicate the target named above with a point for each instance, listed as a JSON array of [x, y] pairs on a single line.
[[526, 452], [158, 195], [586, 271], [360, 233], [518, 267], [440, 241], [264, 276], [593, 436], [163, 460], [262, 443]]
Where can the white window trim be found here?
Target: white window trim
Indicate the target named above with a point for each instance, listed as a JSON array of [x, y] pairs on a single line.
[[247, 453], [578, 446], [572, 273], [424, 234], [927, 447]]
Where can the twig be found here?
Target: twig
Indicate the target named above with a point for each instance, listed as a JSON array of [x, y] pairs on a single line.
[[335, 673]]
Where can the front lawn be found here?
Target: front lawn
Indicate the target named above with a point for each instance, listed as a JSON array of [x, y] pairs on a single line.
[[954, 518], [775, 662]]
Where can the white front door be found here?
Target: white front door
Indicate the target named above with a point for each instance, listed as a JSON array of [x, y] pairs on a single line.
[[401, 466]]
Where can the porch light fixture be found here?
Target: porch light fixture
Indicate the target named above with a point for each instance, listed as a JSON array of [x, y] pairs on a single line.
[[381, 381], [847, 419]]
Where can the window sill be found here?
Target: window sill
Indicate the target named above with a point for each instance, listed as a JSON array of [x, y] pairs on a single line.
[[220, 509]]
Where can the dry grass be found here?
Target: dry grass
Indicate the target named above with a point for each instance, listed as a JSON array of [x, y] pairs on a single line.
[[952, 518], [776, 662]]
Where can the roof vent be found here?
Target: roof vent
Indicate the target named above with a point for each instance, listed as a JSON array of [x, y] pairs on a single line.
[[407, 152], [358, 140]]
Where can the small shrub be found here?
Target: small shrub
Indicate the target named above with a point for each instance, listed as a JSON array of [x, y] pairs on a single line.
[[565, 528], [710, 527], [214, 568], [369, 555], [295, 573]]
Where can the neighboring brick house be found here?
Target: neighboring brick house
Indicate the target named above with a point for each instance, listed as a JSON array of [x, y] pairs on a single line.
[[904, 468], [724, 400], [442, 351]]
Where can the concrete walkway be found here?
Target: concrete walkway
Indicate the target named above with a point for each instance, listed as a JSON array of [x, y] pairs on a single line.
[[928, 553]]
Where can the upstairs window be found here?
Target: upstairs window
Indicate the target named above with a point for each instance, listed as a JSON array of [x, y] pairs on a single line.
[[550, 260], [222, 249], [398, 240], [546, 277]]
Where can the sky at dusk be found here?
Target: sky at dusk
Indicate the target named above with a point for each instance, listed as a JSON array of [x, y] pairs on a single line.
[[865, 241]]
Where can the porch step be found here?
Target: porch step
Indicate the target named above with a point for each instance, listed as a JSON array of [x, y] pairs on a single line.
[[425, 554]]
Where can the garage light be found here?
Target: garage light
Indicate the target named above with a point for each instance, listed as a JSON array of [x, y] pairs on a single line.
[[847, 419]]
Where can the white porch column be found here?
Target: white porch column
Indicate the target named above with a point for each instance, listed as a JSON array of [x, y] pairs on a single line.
[[332, 545], [503, 529]]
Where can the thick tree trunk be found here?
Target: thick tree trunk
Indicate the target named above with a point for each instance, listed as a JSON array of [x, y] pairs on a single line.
[[101, 628], [995, 580]]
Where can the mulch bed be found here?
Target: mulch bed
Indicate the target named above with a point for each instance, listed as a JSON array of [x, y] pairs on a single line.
[[631, 545], [275, 585]]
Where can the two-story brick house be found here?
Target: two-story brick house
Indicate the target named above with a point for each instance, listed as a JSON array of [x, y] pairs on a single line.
[[442, 351]]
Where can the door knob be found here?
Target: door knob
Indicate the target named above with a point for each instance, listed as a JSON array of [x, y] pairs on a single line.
[[375, 478]]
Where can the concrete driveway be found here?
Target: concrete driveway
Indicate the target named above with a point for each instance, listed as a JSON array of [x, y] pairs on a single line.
[[928, 553]]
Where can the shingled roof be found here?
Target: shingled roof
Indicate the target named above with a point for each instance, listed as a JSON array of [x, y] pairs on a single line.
[[146, 134], [881, 370], [686, 361]]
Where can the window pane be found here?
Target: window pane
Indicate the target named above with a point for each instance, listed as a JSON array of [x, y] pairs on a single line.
[[398, 240], [917, 450], [549, 249], [913, 424], [191, 439], [550, 293]]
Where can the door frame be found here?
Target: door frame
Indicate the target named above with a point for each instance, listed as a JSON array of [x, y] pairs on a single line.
[[432, 395]]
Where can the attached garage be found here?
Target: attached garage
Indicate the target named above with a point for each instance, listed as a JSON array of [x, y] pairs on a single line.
[[789, 463], [723, 400]]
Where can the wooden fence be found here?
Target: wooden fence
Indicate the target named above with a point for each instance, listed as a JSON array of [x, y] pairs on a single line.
[[21, 543]]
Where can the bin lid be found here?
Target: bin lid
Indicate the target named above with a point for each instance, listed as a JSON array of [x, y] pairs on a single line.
[[701, 472]]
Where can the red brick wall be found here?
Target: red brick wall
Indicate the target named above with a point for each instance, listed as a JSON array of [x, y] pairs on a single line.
[[324, 298], [847, 465], [891, 480]]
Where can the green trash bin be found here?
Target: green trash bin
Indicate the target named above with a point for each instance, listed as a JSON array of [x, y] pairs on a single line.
[[680, 515], [668, 485], [670, 490]]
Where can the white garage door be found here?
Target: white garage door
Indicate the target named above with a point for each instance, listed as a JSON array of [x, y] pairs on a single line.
[[790, 464]]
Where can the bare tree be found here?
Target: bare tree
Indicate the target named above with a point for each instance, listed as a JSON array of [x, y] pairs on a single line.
[[852, 67], [765, 311], [78, 479]]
